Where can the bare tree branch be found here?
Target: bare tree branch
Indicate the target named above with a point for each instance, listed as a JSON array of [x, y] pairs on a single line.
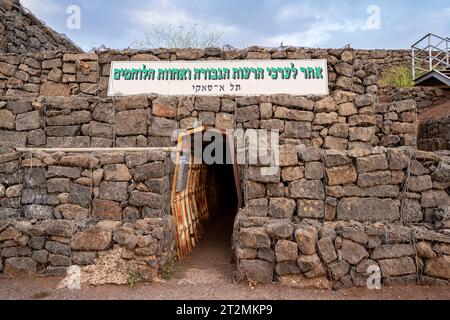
[[180, 35]]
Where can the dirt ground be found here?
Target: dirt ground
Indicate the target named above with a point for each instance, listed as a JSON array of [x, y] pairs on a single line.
[[205, 275]]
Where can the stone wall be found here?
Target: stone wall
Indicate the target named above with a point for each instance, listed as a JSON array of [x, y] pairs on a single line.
[[327, 215], [22, 32], [346, 161], [63, 74], [60, 209], [339, 254], [344, 120]]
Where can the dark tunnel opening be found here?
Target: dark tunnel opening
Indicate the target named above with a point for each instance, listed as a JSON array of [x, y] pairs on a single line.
[[221, 190]]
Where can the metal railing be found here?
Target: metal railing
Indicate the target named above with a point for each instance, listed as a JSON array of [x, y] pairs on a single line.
[[432, 52]]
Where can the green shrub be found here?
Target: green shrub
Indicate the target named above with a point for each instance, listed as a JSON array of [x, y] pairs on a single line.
[[132, 278], [170, 268], [399, 76]]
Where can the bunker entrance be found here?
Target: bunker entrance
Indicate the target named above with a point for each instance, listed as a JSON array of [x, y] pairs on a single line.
[[205, 195]]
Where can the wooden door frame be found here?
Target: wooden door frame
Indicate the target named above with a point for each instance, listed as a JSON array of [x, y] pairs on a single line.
[[187, 238]]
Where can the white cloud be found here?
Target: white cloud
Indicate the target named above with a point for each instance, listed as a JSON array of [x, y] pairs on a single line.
[[301, 11], [44, 11], [163, 12], [317, 34], [158, 12]]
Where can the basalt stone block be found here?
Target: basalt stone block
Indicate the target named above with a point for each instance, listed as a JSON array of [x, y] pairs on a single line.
[[57, 248], [286, 250], [338, 269], [9, 167], [20, 106], [257, 270], [148, 171], [36, 196], [116, 191], [116, 173], [334, 158], [442, 172], [326, 249], [37, 242], [104, 112], [435, 198], [438, 267], [91, 239], [7, 120], [9, 252], [264, 174], [40, 256], [370, 179], [310, 208], [163, 127], [372, 163], [287, 267], [397, 267], [74, 118], [352, 252], [60, 228], [37, 212], [341, 175], [80, 195], [18, 267], [131, 122], [58, 185], [254, 237], [249, 113], [325, 118], [294, 115], [307, 189], [63, 172], [297, 129], [84, 257], [207, 104], [59, 260], [136, 159], [412, 211], [28, 121], [420, 183], [146, 199], [306, 237], [68, 142], [72, 212], [398, 159], [314, 170], [107, 209], [281, 208], [368, 209], [393, 251], [282, 229]]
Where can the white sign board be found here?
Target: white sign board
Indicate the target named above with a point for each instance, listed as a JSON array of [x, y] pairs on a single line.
[[224, 77]]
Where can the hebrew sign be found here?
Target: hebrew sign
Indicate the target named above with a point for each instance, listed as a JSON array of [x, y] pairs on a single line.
[[224, 77]]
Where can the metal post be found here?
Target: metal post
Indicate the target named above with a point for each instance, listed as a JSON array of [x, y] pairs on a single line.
[[447, 52], [413, 63], [430, 53]]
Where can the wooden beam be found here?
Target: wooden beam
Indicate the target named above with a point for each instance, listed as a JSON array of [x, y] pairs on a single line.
[[81, 150]]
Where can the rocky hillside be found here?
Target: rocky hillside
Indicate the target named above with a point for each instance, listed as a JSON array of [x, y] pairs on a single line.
[[22, 32]]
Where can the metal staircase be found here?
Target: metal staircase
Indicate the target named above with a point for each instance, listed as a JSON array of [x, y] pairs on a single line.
[[431, 61]]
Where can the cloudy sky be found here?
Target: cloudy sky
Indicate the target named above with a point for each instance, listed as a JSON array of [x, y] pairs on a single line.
[[325, 23]]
